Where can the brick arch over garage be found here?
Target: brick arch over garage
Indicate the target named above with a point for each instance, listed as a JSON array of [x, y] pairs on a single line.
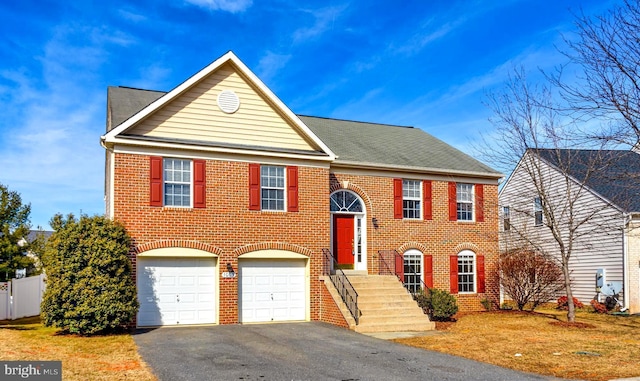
[[272, 246], [162, 244], [348, 185], [413, 245]]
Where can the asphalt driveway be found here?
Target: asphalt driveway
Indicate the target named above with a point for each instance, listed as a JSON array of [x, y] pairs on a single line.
[[299, 351]]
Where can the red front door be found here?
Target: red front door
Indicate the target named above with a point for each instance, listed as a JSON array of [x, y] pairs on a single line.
[[343, 238]]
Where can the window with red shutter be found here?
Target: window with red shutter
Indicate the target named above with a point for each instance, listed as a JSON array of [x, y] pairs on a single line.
[[479, 203], [426, 195], [480, 274], [453, 205], [155, 177], [292, 189], [428, 270], [397, 198], [199, 184], [254, 186], [453, 274]]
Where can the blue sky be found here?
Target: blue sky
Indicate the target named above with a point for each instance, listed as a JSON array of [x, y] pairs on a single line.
[[426, 64]]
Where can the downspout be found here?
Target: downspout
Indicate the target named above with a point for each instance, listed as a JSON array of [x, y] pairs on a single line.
[[625, 259]]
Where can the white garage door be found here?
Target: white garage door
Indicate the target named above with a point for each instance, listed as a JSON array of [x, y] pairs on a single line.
[[175, 291], [272, 290]]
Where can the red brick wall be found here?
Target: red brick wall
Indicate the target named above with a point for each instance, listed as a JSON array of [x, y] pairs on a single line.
[[329, 311], [228, 228], [438, 237], [226, 225]]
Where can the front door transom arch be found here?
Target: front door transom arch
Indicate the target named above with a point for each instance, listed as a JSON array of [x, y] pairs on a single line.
[[348, 230]]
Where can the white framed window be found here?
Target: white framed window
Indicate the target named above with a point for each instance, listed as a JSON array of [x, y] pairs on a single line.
[[537, 211], [466, 272], [411, 199], [177, 182], [506, 218], [343, 201], [413, 271], [464, 200], [272, 187]]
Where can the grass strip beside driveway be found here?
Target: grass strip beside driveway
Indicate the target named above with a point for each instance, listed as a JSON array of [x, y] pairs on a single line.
[[109, 357], [599, 347]]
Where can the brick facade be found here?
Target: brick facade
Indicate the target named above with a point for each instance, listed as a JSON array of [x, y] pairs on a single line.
[[227, 228], [438, 237]]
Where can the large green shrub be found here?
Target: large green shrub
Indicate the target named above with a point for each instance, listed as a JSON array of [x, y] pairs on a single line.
[[89, 284], [438, 304]]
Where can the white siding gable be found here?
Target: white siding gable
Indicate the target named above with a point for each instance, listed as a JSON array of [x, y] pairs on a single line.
[[598, 243], [195, 116]]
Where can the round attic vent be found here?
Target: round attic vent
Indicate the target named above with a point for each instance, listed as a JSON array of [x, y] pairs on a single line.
[[228, 101]]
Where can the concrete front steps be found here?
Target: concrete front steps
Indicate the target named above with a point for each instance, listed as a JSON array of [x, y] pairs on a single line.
[[386, 306]]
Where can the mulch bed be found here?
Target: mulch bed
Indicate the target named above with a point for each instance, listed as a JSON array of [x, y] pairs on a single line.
[[566, 324]]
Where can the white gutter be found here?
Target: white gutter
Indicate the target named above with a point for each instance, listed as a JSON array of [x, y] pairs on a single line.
[[625, 260]]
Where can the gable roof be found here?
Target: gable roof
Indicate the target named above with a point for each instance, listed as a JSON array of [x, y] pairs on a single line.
[[612, 174], [346, 143], [117, 132], [124, 102], [388, 146]]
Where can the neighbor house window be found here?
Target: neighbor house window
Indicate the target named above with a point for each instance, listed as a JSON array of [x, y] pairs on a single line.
[[272, 187], [411, 196], [466, 272], [506, 218], [537, 210], [464, 201], [177, 182]]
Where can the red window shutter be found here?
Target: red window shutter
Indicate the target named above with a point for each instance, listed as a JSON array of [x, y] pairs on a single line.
[[400, 267], [155, 176], [199, 184], [428, 270], [254, 186], [426, 195], [480, 273], [397, 198], [453, 273], [453, 202], [292, 189], [479, 203]]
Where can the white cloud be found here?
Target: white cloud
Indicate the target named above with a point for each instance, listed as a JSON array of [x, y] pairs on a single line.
[[429, 34], [51, 153], [324, 20], [132, 16], [270, 64], [231, 6]]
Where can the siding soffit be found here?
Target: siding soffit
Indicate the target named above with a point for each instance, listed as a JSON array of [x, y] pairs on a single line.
[[189, 114]]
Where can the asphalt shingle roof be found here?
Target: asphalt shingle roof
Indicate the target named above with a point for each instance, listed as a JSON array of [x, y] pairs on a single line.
[[613, 174], [353, 142], [387, 145], [124, 102]]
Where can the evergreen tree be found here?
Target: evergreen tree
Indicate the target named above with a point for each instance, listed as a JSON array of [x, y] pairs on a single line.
[[89, 285], [14, 226]]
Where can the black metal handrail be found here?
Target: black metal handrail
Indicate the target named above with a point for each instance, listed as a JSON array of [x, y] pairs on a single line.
[[390, 262], [341, 282]]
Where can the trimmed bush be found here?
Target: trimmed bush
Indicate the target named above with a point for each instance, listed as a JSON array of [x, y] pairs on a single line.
[[564, 305], [438, 304], [598, 307], [89, 284], [529, 278]]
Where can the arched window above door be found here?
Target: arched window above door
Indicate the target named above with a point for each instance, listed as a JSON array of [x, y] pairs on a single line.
[[345, 201]]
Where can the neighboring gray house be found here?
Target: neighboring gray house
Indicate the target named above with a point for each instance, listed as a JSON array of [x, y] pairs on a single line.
[[598, 201]]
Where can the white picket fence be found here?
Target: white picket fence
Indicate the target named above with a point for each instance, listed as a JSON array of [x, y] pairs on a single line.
[[21, 297]]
